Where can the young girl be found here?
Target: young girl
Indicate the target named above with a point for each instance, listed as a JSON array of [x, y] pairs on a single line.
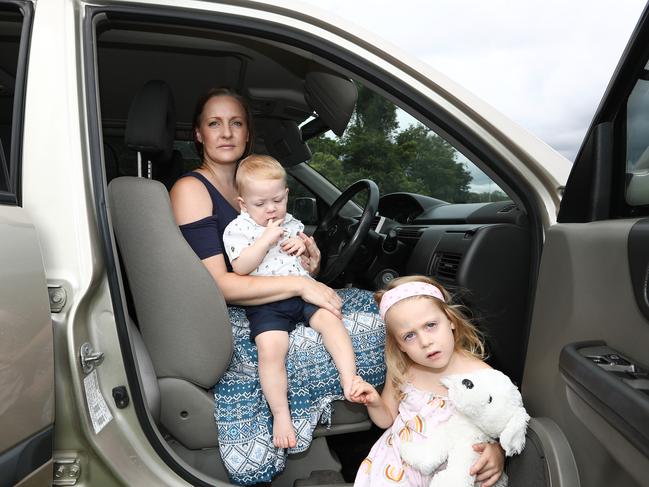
[[427, 338]]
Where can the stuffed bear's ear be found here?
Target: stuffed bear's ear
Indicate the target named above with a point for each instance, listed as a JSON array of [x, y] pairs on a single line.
[[512, 439]]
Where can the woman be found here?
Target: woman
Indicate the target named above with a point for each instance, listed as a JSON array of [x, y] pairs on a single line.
[[223, 136], [204, 202]]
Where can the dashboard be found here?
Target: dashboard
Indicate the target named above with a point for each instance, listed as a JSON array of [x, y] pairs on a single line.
[[415, 209], [480, 250]]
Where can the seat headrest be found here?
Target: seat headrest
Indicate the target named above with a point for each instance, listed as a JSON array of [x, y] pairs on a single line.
[[151, 123], [283, 141]]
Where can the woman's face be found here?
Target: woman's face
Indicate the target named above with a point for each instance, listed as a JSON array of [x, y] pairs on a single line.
[[223, 130]]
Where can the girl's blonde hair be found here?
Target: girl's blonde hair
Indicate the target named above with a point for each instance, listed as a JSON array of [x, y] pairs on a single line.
[[467, 337], [258, 166]]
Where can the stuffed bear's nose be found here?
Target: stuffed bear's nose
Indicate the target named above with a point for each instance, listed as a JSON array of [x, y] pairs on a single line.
[[467, 383]]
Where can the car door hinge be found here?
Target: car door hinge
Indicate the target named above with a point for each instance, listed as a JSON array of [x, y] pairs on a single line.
[[58, 298], [66, 471], [89, 358]]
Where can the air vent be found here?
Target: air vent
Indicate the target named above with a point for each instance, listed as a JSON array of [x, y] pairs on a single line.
[[377, 223], [446, 265], [409, 233]]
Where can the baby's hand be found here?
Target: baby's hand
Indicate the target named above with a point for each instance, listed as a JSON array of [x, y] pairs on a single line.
[[294, 246], [363, 393], [273, 232]]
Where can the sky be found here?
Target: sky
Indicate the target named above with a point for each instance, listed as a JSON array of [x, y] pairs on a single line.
[[544, 64]]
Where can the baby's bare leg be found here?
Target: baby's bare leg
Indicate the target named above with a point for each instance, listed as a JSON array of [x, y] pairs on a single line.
[[338, 343], [272, 347]]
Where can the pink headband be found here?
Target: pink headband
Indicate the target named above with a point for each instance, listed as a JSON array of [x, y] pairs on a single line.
[[407, 290]]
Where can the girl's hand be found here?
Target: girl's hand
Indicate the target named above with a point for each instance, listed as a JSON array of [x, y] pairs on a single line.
[[363, 393], [489, 467], [294, 246], [321, 295], [311, 257]]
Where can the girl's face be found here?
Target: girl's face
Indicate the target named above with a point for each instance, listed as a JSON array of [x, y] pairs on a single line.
[[422, 331], [223, 130]]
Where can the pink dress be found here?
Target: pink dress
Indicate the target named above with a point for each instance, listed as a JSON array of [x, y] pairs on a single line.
[[419, 414]]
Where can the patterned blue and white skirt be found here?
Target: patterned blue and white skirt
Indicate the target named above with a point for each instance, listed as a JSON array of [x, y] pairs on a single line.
[[242, 415]]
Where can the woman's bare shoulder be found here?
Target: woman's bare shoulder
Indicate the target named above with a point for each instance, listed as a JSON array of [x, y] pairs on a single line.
[[190, 200]]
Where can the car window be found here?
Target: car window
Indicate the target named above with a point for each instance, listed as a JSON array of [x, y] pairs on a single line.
[[637, 143], [11, 21], [385, 144]]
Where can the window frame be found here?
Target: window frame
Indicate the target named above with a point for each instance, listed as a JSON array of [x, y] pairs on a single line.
[[13, 194]]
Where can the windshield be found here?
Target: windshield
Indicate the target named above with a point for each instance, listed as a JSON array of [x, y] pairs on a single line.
[[385, 144]]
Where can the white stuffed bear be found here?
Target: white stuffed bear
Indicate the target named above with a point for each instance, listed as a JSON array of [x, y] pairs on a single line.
[[488, 407]]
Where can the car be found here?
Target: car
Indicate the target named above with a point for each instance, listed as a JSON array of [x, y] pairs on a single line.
[[105, 370]]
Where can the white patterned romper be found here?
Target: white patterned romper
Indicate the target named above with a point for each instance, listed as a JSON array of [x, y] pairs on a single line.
[[419, 414]]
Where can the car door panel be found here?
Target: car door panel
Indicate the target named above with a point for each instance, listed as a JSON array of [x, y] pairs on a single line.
[[26, 356], [584, 292]]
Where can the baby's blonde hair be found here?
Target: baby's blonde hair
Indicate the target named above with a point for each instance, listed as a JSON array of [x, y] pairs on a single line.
[[467, 337], [257, 166]]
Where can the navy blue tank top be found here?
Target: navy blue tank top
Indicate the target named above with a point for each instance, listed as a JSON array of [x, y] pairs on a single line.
[[205, 236]]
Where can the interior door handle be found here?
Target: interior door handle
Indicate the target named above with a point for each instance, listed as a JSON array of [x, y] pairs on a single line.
[[613, 384]]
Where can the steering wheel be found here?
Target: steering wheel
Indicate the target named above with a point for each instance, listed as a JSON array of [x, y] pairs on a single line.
[[339, 237]]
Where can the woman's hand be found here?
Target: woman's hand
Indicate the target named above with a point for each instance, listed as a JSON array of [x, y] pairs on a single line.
[[311, 257], [321, 295], [294, 246], [489, 467]]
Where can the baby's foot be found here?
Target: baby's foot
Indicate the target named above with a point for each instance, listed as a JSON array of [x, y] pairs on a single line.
[[283, 432], [348, 382]]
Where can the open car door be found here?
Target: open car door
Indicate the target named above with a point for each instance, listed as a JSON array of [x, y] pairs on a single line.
[[587, 365], [26, 352]]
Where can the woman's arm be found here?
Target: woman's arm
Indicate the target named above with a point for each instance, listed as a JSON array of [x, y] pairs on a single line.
[[190, 202], [252, 290]]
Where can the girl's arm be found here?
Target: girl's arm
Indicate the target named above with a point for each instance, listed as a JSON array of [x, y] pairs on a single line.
[[491, 464], [383, 408], [190, 202]]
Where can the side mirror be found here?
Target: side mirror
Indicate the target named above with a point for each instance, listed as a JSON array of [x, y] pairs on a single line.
[[306, 210]]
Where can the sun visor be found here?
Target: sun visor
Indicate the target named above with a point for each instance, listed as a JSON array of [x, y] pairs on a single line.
[[332, 97], [283, 141]]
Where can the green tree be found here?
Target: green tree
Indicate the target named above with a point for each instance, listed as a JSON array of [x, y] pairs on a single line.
[[430, 166], [414, 159]]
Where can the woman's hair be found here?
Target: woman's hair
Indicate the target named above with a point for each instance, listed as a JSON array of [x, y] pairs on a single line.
[[257, 166], [467, 336], [198, 111]]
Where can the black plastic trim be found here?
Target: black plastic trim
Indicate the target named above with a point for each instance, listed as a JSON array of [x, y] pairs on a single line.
[[22, 459], [27, 11], [587, 196], [624, 408], [293, 37], [638, 248], [7, 198]]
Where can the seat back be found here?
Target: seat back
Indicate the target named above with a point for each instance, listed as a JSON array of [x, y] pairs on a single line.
[[180, 311]]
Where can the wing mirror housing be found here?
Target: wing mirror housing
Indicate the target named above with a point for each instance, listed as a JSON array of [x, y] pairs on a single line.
[[305, 209]]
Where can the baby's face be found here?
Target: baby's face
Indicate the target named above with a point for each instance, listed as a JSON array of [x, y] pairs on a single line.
[[264, 199]]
